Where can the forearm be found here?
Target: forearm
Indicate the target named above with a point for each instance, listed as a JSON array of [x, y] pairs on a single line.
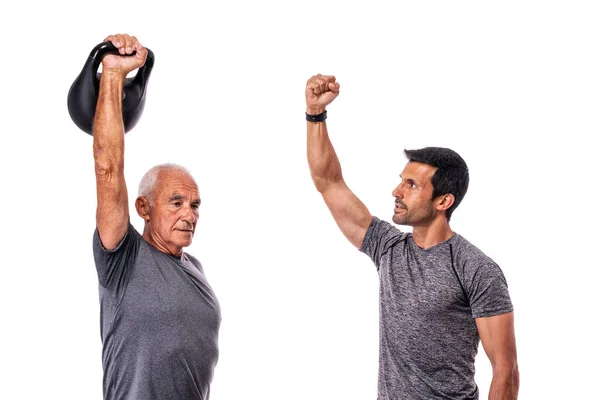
[[109, 131], [505, 384], [324, 164]]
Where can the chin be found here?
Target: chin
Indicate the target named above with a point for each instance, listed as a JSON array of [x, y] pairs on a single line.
[[186, 243], [398, 220], [183, 242]]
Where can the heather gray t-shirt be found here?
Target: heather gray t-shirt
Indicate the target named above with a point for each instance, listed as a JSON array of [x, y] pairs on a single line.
[[159, 322], [429, 300]]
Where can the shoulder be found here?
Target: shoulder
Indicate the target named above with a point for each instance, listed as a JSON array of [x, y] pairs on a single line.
[[474, 265], [131, 238], [381, 238], [468, 254], [190, 259], [384, 228]]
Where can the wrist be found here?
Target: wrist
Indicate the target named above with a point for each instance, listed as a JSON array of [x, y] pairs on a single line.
[[315, 110], [114, 74], [317, 117]]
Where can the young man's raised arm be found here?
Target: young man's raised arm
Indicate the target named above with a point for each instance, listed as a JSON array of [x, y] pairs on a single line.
[[351, 215]]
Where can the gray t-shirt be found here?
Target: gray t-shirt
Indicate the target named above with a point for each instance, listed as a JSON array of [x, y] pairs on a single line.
[[159, 322], [429, 299]]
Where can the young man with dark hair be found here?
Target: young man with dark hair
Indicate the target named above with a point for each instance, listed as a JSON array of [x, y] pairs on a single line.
[[439, 294]]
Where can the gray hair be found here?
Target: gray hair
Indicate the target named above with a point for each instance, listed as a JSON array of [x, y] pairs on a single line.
[[150, 178]]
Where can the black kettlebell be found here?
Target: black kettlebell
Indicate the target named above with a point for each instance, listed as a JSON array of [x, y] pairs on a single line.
[[83, 94]]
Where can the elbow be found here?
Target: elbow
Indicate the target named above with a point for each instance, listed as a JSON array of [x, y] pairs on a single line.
[[514, 381], [507, 376], [324, 183], [516, 378], [321, 184], [106, 171], [106, 165]]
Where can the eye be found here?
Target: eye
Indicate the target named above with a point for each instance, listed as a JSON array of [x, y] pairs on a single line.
[[195, 206], [408, 183], [177, 203]]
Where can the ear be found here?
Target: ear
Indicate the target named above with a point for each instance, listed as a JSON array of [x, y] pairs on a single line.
[[444, 202], [142, 206]]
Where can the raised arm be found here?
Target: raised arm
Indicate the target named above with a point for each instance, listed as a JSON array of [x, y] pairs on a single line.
[[112, 213], [498, 339], [350, 214]]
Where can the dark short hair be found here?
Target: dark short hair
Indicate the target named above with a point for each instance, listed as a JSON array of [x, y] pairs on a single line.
[[451, 176]]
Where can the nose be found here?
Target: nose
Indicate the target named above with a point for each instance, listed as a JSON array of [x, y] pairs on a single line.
[[397, 192], [189, 215]]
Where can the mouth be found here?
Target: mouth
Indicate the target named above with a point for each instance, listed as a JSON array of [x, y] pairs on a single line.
[[399, 208]]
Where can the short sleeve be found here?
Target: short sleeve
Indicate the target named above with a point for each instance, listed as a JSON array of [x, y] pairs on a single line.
[[380, 237], [111, 265], [488, 291]]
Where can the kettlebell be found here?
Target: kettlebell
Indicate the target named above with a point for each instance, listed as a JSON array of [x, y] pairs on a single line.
[[83, 94]]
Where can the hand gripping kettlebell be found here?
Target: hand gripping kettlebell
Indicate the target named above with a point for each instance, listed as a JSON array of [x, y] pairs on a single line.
[[83, 94]]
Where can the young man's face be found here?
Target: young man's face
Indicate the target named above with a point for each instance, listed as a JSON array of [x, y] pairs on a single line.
[[414, 203]]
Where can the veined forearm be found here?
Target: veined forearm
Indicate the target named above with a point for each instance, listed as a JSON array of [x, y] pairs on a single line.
[[109, 131], [324, 165]]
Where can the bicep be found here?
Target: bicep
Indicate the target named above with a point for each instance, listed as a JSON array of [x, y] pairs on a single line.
[[112, 212], [350, 214], [497, 336]]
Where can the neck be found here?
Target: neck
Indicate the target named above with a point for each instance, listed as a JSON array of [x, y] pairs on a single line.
[[432, 234], [155, 241]]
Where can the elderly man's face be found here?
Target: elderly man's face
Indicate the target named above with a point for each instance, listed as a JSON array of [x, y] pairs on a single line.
[[173, 211]]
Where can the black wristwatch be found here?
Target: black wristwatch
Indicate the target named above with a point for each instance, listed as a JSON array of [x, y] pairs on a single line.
[[317, 117]]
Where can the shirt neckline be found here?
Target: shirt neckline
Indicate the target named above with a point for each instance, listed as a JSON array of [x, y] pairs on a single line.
[[434, 247]]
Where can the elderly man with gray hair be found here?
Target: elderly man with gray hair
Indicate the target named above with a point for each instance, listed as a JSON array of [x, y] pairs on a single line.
[[159, 316]]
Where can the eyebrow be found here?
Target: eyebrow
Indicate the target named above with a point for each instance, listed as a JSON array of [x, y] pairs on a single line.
[[177, 197], [409, 180], [182, 197]]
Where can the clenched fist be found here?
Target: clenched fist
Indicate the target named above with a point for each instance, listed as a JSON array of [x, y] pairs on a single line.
[[126, 62], [320, 91]]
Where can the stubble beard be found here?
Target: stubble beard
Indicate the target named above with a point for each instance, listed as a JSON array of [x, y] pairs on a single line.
[[419, 217]]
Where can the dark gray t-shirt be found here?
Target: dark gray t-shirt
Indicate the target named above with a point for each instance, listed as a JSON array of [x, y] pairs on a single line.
[[159, 322], [429, 299]]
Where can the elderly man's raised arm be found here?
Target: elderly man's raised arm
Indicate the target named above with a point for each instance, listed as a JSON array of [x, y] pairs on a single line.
[[112, 213]]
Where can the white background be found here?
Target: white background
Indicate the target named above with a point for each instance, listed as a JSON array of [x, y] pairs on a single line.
[[512, 86]]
